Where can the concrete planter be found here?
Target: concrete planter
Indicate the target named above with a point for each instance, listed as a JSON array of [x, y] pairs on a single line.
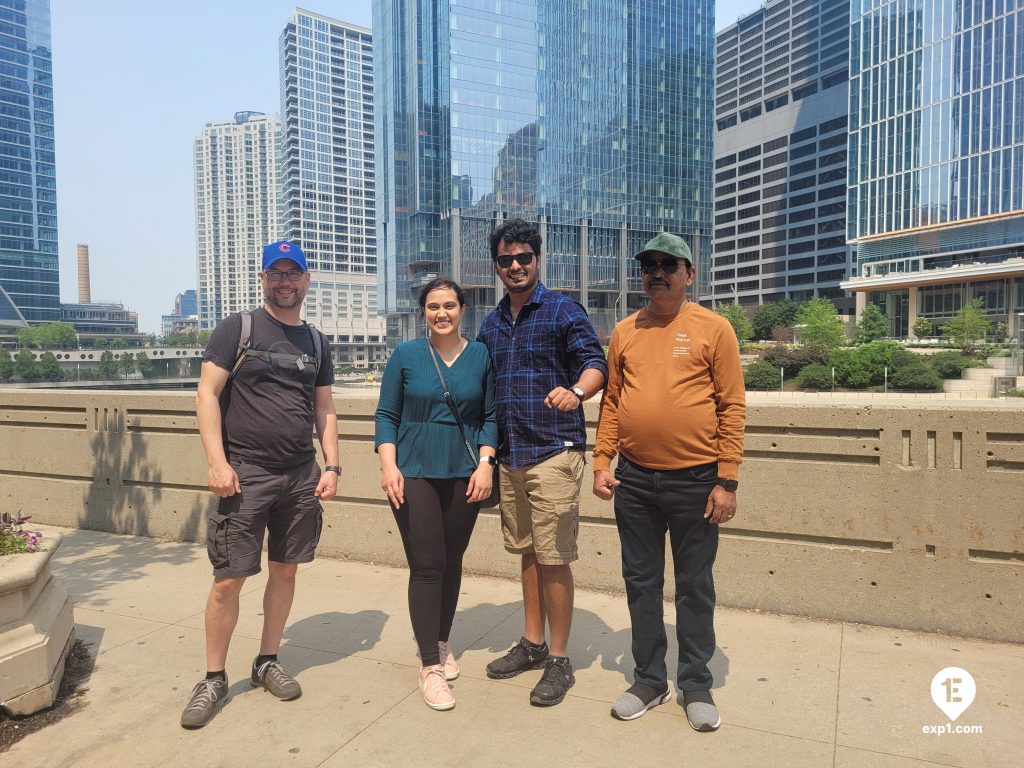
[[37, 630]]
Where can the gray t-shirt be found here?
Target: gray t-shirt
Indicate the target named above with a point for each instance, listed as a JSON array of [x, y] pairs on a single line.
[[267, 409]]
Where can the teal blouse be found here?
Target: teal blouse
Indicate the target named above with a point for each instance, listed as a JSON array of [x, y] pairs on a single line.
[[412, 413]]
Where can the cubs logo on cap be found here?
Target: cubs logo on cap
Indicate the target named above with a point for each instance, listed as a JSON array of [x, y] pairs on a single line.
[[284, 250]]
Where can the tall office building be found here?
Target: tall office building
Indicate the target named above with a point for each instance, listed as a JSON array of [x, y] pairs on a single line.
[[328, 178], [186, 303], [591, 120], [29, 284], [235, 164], [937, 159], [780, 155]]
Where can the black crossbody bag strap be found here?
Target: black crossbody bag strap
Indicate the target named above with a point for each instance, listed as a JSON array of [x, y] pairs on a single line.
[[452, 406]]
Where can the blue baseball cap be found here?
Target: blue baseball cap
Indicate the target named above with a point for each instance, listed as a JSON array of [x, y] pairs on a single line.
[[284, 250]]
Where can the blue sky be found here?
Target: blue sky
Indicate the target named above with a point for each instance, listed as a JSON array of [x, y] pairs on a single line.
[[133, 85]]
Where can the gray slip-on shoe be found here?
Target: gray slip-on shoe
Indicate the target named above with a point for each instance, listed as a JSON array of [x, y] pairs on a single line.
[[637, 700], [701, 712]]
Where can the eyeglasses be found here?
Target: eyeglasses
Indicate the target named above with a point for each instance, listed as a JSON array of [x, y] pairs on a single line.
[[523, 258], [276, 275], [650, 266]]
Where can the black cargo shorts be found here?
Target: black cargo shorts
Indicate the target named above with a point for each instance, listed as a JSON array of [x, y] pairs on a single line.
[[278, 501]]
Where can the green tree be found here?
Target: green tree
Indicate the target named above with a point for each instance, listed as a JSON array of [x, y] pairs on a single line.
[[27, 337], [950, 364], [126, 364], [873, 326], [922, 327], [49, 368], [204, 338], [738, 319], [26, 366], [57, 336], [815, 376], [118, 342], [6, 365], [768, 316], [969, 327], [863, 365], [821, 325], [760, 375], [101, 343], [107, 368], [144, 364], [913, 373]]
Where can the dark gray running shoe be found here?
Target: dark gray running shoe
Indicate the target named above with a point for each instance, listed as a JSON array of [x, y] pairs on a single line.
[[522, 657], [275, 678], [554, 683], [207, 697]]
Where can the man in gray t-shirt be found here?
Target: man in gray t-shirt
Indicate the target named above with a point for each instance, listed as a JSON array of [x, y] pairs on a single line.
[[256, 427]]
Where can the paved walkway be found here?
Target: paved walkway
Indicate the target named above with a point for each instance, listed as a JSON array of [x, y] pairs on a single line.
[[793, 692]]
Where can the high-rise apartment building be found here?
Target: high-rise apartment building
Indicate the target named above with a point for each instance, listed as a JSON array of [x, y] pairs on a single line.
[[235, 163], [592, 120], [937, 159], [29, 284], [780, 155], [328, 178]]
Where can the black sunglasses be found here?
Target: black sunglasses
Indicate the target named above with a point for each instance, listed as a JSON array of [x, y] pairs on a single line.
[[650, 266], [523, 258]]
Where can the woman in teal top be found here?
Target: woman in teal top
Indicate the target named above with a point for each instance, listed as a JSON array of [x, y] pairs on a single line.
[[434, 486]]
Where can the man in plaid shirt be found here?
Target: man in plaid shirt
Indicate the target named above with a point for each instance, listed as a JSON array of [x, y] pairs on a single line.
[[548, 361]]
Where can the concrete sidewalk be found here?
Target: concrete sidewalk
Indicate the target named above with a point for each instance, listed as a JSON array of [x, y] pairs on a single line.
[[792, 691]]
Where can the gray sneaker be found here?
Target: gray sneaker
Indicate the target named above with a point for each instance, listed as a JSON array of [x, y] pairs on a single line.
[[637, 700], [701, 712], [275, 678], [207, 697]]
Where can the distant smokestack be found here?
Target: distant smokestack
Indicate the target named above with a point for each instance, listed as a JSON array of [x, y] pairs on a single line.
[[84, 292]]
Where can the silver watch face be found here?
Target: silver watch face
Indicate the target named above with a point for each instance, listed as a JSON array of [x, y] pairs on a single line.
[[578, 392]]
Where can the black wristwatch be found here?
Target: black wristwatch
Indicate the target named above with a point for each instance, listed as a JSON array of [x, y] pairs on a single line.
[[333, 468], [489, 460], [729, 485], [578, 391]]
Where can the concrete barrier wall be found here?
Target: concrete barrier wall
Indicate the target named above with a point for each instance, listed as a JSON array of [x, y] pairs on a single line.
[[908, 515]]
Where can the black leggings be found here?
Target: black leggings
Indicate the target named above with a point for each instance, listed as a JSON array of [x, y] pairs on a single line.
[[436, 522]]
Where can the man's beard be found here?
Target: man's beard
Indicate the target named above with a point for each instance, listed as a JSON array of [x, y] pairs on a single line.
[[269, 295]]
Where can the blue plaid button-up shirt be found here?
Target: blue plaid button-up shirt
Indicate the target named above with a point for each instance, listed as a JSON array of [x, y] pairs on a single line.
[[549, 345]]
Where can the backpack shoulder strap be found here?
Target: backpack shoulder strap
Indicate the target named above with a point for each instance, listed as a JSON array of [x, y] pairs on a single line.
[[244, 342], [317, 348]]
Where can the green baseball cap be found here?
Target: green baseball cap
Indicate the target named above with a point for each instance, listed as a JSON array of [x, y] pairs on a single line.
[[668, 244]]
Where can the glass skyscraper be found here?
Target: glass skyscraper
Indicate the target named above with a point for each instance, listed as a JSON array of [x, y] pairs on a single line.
[[29, 285], [937, 158], [591, 120], [328, 178], [780, 155]]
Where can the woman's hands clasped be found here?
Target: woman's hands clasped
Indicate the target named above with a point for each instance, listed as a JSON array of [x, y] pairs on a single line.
[[480, 482], [393, 483]]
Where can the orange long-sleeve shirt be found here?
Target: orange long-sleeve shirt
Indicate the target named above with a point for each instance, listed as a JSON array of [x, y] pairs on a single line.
[[675, 396]]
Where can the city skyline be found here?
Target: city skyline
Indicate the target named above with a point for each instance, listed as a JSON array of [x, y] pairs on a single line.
[[128, 192]]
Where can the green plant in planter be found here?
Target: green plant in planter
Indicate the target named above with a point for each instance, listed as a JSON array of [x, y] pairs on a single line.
[[13, 539]]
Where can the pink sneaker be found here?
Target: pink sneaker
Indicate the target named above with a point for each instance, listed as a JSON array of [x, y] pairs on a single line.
[[436, 692], [451, 666]]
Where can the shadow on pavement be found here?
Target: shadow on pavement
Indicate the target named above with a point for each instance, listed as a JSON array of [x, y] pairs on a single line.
[[349, 634], [90, 562]]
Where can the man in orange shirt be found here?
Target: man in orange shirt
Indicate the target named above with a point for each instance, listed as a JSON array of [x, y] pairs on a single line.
[[673, 410]]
